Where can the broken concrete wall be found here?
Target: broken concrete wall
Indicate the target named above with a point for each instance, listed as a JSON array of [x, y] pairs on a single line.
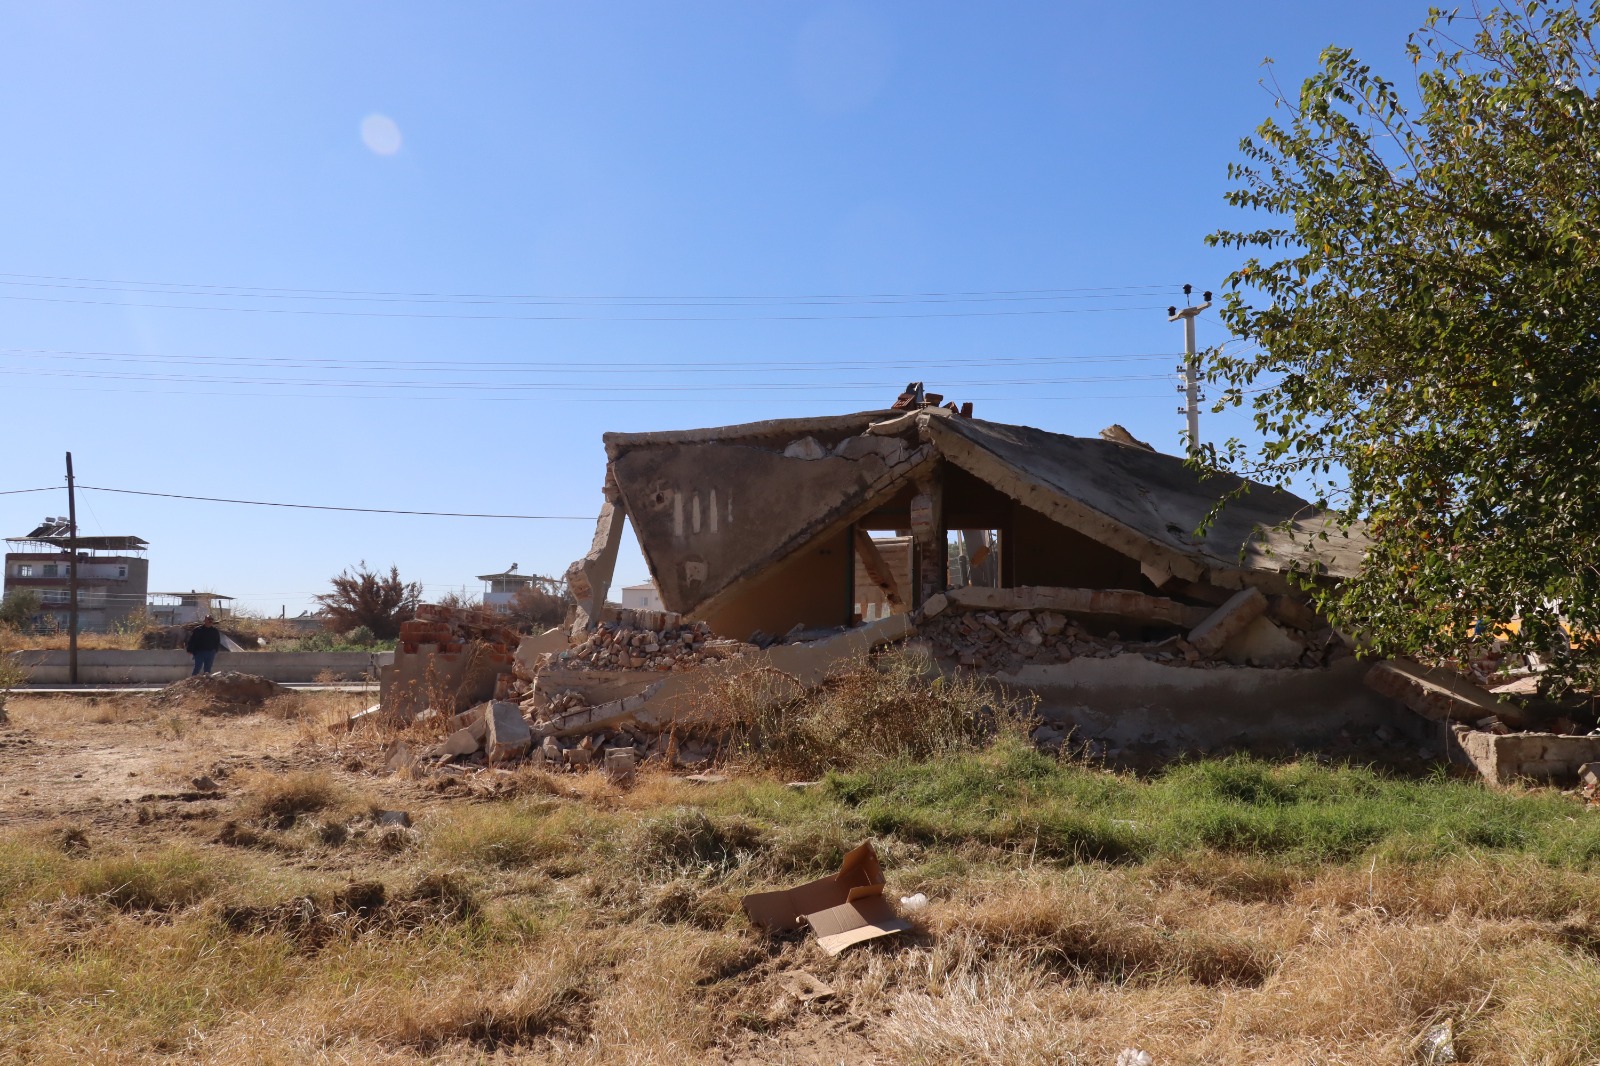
[[710, 514], [1142, 705], [1505, 758], [812, 588]]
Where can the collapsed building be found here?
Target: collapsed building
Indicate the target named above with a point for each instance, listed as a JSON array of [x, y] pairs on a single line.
[[1065, 566], [1068, 569]]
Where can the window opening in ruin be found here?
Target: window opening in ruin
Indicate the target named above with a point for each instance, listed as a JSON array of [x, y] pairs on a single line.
[[884, 556], [974, 558]]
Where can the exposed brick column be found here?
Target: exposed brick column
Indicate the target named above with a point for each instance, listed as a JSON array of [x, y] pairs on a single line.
[[927, 530]]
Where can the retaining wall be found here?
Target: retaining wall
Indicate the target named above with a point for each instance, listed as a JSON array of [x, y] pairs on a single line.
[[162, 667], [1147, 706]]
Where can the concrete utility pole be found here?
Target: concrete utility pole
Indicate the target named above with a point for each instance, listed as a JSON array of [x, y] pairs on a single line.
[[1191, 364], [72, 577]]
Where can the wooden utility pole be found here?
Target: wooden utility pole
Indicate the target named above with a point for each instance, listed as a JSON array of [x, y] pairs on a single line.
[[72, 577]]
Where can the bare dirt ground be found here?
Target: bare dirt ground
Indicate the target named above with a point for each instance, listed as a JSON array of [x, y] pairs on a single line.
[[112, 762]]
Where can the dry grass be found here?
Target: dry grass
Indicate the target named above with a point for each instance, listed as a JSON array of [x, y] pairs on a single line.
[[892, 706], [1224, 912]]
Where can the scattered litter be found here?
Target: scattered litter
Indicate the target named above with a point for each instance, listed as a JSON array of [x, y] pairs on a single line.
[[706, 777], [1438, 1045], [1130, 1056], [844, 909], [914, 903]]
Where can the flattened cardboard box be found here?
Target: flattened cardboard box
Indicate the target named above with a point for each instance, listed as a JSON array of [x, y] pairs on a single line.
[[843, 909]]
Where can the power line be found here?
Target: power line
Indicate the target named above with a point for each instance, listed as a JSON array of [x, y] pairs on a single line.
[[733, 366], [18, 492], [359, 510], [557, 386], [593, 301], [572, 318], [230, 289], [656, 399]]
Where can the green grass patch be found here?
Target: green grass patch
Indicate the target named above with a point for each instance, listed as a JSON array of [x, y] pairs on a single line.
[[1013, 798]]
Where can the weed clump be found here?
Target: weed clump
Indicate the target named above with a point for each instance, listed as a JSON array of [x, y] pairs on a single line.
[[277, 801], [166, 881], [871, 711], [687, 837]]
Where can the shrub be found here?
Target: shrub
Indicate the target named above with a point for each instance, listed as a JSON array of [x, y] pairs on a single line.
[[18, 609], [362, 635]]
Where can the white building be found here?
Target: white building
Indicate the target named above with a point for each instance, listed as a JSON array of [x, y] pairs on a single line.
[[641, 597]]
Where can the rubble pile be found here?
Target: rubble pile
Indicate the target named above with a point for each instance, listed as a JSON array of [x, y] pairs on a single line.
[[998, 641], [224, 692], [437, 628], [644, 640], [449, 657], [496, 734]]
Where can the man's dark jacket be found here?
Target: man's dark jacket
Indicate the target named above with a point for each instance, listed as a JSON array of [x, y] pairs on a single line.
[[204, 638]]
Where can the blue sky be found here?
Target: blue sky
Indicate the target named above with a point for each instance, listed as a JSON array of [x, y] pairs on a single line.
[[420, 256]]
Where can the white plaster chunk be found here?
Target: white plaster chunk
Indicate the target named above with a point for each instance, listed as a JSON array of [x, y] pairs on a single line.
[[1263, 643], [805, 448]]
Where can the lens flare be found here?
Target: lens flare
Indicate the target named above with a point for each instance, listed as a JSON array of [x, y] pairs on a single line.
[[380, 134]]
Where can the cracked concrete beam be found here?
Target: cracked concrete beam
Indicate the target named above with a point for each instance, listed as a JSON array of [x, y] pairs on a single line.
[[1116, 603], [1228, 621], [1439, 695]]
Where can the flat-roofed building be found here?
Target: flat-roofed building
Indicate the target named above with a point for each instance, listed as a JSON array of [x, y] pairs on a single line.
[[113, 575]]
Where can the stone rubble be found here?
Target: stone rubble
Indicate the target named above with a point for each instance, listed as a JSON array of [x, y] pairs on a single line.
[[1004, 642], [633, 643]]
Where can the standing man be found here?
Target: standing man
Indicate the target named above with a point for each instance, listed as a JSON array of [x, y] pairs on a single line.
[[203, 643]]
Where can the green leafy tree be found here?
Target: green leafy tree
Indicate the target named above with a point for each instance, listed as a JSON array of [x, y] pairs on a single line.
[[1424, 307], [18, 608], [363, 597]]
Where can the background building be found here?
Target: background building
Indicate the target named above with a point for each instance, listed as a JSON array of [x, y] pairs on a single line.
[[113, 575], [500, 590], [182, 608], [642, 597]]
